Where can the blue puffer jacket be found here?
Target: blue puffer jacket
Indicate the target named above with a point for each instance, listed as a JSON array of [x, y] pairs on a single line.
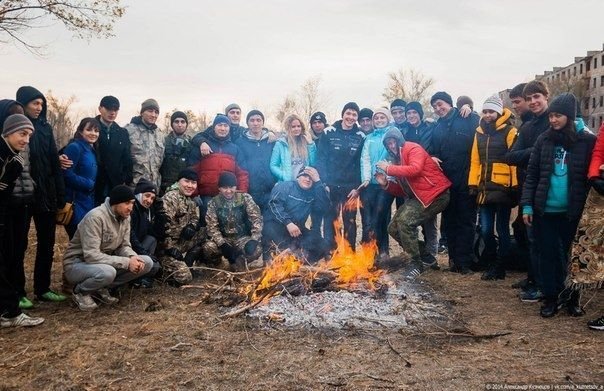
[[80, 178], [373, 151], [281, 160], [289, 203]]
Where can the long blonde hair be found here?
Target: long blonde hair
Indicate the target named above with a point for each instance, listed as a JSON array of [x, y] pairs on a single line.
[[298, 145]]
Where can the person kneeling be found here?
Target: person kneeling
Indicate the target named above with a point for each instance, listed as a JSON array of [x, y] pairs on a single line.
[[414, 175], [234, 223], [100, 256]]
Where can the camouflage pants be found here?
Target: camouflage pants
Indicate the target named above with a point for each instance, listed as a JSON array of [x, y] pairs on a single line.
[[210, 249], [175, 270], [412, 214]]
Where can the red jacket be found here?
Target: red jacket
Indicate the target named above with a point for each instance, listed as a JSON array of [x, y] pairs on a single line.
[[425, 179], [209, 169], [597, 157]]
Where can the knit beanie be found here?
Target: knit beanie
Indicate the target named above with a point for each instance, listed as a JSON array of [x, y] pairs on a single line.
[[417, 107], [110, 103], [188, 173], [494, 103], [254, 112], [351, 106], [442, 96], [382, 110], [178, 114], [119, 194], [145, 186], [231, 107], [149, 104], [366, 113], [464, 100], [318, 116], [221, 119], [16, 122], [565, 104], [398, 104], [227, 179]]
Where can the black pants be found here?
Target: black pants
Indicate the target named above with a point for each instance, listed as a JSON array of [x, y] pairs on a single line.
[[9, 298], [309, 245], [45, 233], [338, 196], [460, 224], [15, 245], [375, 215]]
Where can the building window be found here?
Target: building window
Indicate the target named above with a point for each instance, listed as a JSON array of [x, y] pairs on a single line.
[[595, 62], [575, 71], [595, 80], [587, 104], [587, 64], [601, 101], [580, 69], [593, 103], [601, 81]]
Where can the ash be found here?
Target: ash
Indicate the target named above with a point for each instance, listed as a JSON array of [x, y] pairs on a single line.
[[396, 305]]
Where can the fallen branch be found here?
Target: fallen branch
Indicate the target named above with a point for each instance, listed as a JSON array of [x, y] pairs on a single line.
[[467, 335], [249, 306], [379, 378], [224, 271], [179, 346], [407, 362]]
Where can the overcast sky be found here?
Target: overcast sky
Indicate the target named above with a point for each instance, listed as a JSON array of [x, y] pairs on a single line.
[[203, 55]]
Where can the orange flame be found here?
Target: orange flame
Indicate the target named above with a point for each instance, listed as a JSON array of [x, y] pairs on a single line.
[[352, 204], [283, 266]]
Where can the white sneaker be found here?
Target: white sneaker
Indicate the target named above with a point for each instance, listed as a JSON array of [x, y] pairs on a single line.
[[105, 297], [21, 320], [84, 302]]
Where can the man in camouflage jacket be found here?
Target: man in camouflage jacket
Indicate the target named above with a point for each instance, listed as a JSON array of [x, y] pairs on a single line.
[[177, 149]]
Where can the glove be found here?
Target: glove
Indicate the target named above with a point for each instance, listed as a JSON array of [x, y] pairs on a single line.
[[598, 185], [188, 232], [229, 252], [174, 253], [250, 247]]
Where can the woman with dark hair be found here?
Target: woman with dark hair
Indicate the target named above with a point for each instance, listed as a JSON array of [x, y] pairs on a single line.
[[81, 177]]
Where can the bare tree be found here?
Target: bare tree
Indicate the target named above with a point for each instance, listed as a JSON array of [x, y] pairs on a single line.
[[576, 85], [61, 118], [85, 18], [287, 107], [309, 97], [197, 122], [410, 85]]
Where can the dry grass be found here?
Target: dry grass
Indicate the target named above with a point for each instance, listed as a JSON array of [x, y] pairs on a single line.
[[188, 347]]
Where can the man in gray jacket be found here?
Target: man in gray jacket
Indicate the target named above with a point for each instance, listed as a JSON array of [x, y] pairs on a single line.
[[100, 256]]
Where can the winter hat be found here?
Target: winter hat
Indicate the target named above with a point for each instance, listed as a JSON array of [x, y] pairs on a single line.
[[145, 186], [442, 96], [119, 194], [565, 104], [398, 104], [110, 103], [382, 110], [464, 100], [16, 122], [417, 107], [227, 179], [221, 119], [366, 113], [351, 106], [494, 103], [188, 173], [149, 104], [254, 112], [231, 107], [318, 116], [178, 114]]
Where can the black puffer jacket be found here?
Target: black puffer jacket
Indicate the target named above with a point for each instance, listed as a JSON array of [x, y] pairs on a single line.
[[339, 156], [541, 167], [44, 158], [532, 127], [421, 135], [114, 160]]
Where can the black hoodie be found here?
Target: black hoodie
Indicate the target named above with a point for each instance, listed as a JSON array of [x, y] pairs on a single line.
[[46, 172]]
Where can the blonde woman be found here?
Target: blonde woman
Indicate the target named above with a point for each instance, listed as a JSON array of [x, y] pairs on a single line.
[[293, 151]]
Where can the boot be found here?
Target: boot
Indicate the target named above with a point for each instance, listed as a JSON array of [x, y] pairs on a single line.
[[495, 270], [549, 308], [573, 305]]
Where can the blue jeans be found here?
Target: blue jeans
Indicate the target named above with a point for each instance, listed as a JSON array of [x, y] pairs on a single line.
[[491, 216], [375, 214]]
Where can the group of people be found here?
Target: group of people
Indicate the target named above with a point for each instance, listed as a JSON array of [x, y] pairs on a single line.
[[143, 205]]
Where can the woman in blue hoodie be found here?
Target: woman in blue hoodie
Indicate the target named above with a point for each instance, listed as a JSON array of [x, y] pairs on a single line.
[[553, 198], [293, 151], [81, 177]]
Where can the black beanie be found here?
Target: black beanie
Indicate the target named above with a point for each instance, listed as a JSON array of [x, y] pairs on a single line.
[[188, 173], [366, 113], [254, 112], [417, 107], [565, 104], [351, 106], [119, 194], [178, 114], [318, 116], [398, 103], [227, 179], [442, 96], [145, 186]]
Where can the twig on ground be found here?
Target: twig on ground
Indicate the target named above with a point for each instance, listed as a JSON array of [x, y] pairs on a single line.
[[224, 271], [179, 346], [379, 378], [407, 362], [249, 306]]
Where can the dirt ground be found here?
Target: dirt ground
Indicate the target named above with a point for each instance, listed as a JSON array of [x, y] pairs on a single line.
[[180, 346]]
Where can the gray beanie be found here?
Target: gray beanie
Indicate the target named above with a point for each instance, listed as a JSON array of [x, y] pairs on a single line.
[[16, 122], [231, 107], [494, 103], [149, 104]]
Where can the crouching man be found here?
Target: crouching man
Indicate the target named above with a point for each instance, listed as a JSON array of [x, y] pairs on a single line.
[[290, 205], [100, 256], [415, 176], [234, 223]]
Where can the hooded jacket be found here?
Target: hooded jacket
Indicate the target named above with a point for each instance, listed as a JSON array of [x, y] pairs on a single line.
[[489, 173], [256, 160], [373, 151], [178, 149], [80, 178], [281, 159], [114, 159], [339, 155], [147, 149], [289, 203], [49, 194], [416, 171]]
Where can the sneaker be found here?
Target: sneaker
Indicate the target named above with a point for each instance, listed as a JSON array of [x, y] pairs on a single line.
[[21, 320], [430, 261], [25, 303], [416, 268], [442, 248], [52, 296], [531, 295], [596, 324], [105, 297], [84, 301]]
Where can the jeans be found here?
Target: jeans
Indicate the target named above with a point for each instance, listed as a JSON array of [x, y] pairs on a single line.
[[90, 277], [375, 215], [460, 222], [492, 215], [339, 196]]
